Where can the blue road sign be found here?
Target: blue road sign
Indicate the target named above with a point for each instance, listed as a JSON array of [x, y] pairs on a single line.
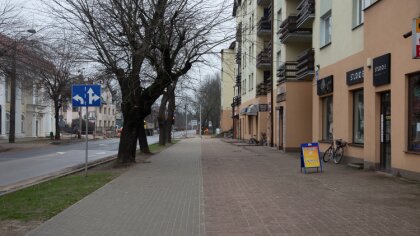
[[86, 95]]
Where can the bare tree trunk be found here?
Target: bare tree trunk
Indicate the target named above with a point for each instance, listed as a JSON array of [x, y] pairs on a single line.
[[163, 124], [144, 146], [171, 112], [57, 119], [128, 140]]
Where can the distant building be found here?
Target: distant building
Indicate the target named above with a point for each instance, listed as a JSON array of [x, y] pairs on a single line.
[[227, 84]]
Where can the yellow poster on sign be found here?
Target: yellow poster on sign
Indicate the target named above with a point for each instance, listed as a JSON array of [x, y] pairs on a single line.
[[418, 25], [311, 157]]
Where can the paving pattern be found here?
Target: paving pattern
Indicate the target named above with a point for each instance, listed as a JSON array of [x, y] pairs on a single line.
[[261, 191], [160, 198]]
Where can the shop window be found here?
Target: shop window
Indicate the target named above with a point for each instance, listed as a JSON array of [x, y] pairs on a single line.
[[327, 118], [414, 113], [358, 117]]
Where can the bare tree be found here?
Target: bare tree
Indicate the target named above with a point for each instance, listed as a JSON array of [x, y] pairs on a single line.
[[208, 96], [128, 36], [56, 76]]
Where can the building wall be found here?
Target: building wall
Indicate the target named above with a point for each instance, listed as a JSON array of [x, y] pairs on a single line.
[[380, 40], [227, 91]]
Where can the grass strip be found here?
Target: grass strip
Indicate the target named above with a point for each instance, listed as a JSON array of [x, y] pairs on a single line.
[[43, 201]]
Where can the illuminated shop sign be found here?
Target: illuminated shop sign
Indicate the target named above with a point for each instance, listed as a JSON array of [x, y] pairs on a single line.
[[382, 70]]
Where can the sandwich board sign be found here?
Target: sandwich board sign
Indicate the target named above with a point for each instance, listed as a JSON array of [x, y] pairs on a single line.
[[310, 157]]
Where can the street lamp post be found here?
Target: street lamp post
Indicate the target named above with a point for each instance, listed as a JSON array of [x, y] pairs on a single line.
[[12, 128]]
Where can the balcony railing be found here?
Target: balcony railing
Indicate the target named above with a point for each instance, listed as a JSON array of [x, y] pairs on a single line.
[[289, 31], [238, 79], [264, 59], [264, 27], [239, 33], [262, 89], [305, 66], [236, 100], [287, 71], [263, 2], [306, 13]]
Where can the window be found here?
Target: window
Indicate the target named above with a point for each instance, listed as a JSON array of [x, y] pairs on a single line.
[[7, 123], [252, 21], [7, 90], [358, 117], [100, 109], [252, 81], [22, 124], [414, 113], [327, 118], [249, 83], [326, 28], [358, 17]]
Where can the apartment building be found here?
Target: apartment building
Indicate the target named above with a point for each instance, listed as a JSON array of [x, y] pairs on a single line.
[[227, 84], [367, 84], [294, 65], [253, 69], [104, 116]]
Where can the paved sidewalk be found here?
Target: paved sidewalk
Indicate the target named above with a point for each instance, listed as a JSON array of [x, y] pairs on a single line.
[[256, 190], [159, 198], [241, 190]]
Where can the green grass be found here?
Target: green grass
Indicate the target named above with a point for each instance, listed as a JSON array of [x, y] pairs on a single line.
[[43, 201]]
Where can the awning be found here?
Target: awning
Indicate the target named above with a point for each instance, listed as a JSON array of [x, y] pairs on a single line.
[[243, 111], [252, 110]]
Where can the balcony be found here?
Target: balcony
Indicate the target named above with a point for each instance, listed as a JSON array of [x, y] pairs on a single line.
[[264, 59], [264, 27], [306, 14], [290, 33], [239, 33], [264, 2], [305, 64], [236, 101], [238, 80], [287, 71]]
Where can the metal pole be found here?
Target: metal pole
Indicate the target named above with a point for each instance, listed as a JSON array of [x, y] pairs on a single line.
[[201, 136], [87, 134], [186, 122]]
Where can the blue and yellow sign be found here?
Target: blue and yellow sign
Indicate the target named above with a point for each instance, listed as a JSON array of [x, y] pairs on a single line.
[[310, 157]]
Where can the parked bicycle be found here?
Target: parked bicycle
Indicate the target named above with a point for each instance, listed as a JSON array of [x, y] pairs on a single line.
[[335, 152], [253, 140], [263, 141]]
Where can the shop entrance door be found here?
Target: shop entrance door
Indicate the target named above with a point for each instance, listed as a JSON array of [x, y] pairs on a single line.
[[385, 132]]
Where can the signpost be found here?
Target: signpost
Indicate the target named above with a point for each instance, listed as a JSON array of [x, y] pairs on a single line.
[[309, 157], [86, 96], [416, 38]]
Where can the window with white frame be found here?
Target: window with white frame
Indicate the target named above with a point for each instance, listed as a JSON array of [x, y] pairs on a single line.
[[358, 17], [326, 22]]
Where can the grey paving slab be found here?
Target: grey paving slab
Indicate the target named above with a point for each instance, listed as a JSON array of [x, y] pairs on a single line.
[[163, 197], [261, 191]]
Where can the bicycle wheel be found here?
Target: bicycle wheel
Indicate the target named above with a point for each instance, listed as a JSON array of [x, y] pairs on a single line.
[[328, 154], [338, 155]]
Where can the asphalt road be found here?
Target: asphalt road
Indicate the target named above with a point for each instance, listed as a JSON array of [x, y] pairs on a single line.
[[24, 165]]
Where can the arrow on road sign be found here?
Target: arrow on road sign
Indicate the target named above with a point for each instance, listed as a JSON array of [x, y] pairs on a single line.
[[79, 99], [92, 96]]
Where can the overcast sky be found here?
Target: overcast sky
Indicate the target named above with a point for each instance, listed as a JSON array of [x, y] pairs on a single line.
[[35, 14]]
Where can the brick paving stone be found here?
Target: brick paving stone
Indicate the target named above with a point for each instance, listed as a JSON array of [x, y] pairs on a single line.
[[160, 198], [265, 189]]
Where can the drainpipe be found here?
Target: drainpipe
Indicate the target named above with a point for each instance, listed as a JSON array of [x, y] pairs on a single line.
[[272, 76]]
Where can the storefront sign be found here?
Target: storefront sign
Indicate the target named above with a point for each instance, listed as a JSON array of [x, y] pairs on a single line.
[[382, 70], [325, 86], [416, 38], [355, 76], [263, 107], [310, 157]]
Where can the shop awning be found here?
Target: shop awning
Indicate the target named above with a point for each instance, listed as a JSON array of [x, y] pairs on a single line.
[[252, 110], [243, 111]]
